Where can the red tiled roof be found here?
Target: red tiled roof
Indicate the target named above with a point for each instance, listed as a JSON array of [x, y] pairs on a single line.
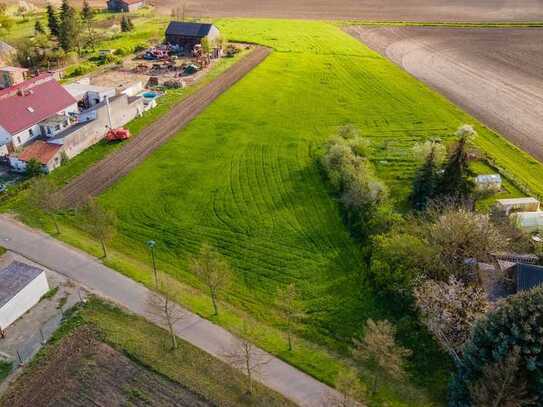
[[29, 102], [39, 150]]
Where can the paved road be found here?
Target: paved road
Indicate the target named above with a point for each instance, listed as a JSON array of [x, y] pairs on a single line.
[[104, 173], [107, 283]]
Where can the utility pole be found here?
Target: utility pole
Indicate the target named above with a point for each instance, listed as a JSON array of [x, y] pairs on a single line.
[[152, 244]]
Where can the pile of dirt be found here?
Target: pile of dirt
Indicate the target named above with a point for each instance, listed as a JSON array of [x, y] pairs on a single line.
[[83, 371]]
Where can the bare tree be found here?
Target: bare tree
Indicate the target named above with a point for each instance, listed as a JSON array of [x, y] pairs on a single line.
[[245, 356], [291, 308], [43, 196], [163, 306], [349, 390], [213, 271], [379, 350], [501, 386], [101, 223], [450, 310]]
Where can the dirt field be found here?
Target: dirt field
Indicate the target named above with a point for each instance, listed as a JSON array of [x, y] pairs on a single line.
[[496, 75], [103, 174], [86, 372], [412, 10]]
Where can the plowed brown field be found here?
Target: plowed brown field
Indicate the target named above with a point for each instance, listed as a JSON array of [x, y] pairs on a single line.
[[494, 74]]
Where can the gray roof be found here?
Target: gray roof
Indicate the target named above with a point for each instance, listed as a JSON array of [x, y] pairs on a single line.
[[14, 278], [528, 276], [196, 30]]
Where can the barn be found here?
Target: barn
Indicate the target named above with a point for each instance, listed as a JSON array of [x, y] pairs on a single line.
[[21, 287], [188, 35]]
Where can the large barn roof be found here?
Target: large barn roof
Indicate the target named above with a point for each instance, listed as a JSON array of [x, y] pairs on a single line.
[[196, 30], [14, 278]]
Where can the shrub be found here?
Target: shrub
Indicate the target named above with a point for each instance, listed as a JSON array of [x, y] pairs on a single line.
[[79, 69], [513, 328], [140, 47]]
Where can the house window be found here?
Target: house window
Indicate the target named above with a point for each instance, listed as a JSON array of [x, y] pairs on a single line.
[[30, 133], [18, 139], [57, 127], [49, 130]]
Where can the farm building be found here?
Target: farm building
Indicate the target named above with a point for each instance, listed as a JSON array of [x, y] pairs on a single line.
[[517, 204], [12, 75], [531, 222], [188, 35], [47, 154], [21, 287], [33, 108], [124, 5], [488, 182]]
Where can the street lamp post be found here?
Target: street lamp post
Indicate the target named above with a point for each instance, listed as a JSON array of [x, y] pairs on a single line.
[[151, 244]]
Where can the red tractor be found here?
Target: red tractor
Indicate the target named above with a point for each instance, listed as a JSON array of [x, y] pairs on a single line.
[[117, 134]]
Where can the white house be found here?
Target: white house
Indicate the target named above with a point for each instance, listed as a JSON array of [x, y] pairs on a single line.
[[36, 107], [21, 287], [89, 95]]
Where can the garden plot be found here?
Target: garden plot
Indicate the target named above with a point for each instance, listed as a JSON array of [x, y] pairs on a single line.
[[495, 74]]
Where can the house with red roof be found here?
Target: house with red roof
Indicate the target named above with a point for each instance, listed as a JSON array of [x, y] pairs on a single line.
[[49, 155], [125, 5], [36, 107]]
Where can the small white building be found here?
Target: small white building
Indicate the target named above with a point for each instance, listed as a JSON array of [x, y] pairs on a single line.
[[491, 182], [531, 222], [21, 287], [87, 94], [517, 204]]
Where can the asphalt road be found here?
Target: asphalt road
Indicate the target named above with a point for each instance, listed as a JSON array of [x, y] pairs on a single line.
[[107, 283]]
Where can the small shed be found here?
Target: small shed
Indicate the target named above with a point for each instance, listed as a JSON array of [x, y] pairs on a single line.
[[125, 5], [21, 287], [517, 204], [188, 35], [530, 222], [492, 182]]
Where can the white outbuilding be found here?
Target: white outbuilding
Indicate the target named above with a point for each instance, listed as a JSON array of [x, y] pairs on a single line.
[[531, 222], [492, 182], [21, 287]]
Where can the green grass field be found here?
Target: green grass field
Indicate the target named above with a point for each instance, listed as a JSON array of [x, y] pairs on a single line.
[[243, 177]]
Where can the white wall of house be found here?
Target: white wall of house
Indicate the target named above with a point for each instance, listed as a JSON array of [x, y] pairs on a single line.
[[23, 300], [5, 137], [25, 136], [3, 150]]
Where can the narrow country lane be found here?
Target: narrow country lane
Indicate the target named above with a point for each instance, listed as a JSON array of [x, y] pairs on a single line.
[[107, 283]]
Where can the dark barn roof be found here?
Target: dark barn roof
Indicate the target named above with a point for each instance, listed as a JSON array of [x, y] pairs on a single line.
[[195, 30], [14, 278], [528, 276]]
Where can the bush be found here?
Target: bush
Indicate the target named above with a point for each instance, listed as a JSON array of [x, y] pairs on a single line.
[[79, 69], [140, 47], [513, 328]]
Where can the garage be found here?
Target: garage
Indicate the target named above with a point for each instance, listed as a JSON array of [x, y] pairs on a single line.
[[21, 287]]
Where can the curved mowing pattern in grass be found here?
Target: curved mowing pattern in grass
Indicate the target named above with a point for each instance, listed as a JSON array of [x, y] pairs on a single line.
[[242, 176]]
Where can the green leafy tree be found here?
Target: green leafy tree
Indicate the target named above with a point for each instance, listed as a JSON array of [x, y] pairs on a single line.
[[126, 24], [52, 21], [378, 350], [87, 16], [70, 27], [425, 183], [512, 330], [42, 195], [349, 390], [455, 182], [33, 168], [213, 271], [100, 222]]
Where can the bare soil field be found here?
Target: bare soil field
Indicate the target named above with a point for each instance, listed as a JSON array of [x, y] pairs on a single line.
[[86, 372], [494, 74], [103, 174], [397, 10]]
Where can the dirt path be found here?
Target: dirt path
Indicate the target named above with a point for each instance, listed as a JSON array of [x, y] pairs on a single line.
[[494, 74], [118, 164]]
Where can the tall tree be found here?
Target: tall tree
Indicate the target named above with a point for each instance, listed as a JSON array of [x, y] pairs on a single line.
[[291, 307], [100, 223], [52, 21], [70, 27], [425, 183], [213, 271], [43, 196], [455, 182], [125, 27], [378, 349], [349, 390], [87, 16]]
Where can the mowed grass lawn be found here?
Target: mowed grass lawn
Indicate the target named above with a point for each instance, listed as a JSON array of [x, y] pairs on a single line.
[[243, 177]]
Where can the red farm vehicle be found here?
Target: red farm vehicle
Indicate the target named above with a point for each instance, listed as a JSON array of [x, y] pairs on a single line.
[[117, 135]]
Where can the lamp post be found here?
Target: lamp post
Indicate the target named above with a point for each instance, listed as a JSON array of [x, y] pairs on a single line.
[[151, 244]]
